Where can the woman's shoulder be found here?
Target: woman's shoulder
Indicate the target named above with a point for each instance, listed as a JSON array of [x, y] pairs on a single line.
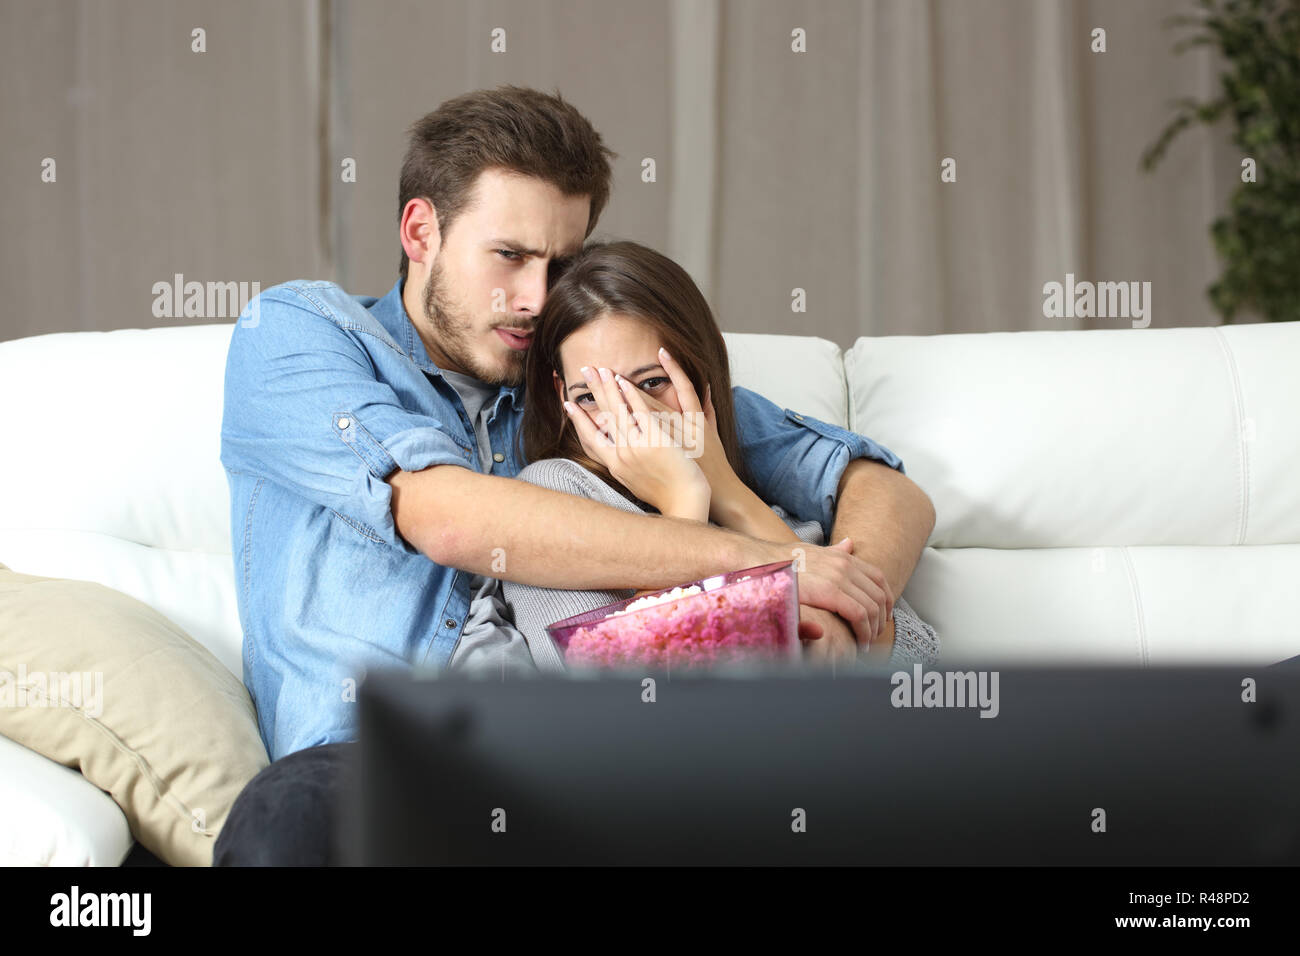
[[565, 474], [551, 469]]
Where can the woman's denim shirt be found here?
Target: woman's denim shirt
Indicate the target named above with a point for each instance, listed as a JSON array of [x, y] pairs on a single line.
[[326, 395]]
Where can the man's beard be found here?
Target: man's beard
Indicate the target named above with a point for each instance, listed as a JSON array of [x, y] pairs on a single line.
[[454, 334]]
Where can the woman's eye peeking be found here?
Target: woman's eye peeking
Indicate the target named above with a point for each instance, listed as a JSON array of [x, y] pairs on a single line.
[[509, 255], [586, 396]]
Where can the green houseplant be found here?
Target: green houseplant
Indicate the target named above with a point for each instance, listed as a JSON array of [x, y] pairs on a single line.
[[1259, 238]]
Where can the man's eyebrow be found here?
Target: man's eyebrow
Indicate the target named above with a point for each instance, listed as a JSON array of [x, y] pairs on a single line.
[[525, 251], [632, 374], [514, 246]]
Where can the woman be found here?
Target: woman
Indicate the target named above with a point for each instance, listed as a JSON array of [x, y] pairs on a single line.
[[615, 307]]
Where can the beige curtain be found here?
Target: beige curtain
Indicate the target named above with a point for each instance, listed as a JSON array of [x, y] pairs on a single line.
[[775, 170], [167, 161], [828, 163]]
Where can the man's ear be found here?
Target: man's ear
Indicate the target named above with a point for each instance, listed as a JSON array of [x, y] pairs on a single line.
[[419, 233]]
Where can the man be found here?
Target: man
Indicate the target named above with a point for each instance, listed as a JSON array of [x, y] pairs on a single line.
[[370, 450]]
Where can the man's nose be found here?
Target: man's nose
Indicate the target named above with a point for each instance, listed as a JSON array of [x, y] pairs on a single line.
[[530, 289]]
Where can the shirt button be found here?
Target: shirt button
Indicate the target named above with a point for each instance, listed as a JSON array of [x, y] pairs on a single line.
[[498, 457], [344, 422], [451, 623]]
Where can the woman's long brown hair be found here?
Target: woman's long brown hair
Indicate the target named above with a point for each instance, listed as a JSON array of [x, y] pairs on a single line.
[[624, 278]]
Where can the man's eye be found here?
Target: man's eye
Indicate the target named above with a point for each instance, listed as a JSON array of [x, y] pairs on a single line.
[[509, 255]]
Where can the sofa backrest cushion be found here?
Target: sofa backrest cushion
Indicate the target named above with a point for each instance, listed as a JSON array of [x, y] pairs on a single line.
[[1185, 436], [118, 433]]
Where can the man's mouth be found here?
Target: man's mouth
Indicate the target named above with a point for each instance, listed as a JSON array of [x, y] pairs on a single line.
[[515, 339]]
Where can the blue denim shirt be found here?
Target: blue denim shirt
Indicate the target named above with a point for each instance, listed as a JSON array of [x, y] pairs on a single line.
[[326, 395]]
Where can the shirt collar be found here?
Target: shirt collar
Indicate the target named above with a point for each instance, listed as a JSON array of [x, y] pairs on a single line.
[[391, 313]]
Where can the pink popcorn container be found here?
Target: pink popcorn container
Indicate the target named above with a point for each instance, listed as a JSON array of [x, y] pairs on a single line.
[[745, 616]]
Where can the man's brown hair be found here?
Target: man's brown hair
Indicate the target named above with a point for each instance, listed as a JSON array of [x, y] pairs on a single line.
[[509, 127]]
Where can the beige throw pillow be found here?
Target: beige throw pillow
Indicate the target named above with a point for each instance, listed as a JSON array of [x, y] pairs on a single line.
[[100, 682]]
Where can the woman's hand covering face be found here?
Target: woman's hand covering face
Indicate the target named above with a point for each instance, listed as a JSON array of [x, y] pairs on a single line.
[[643, 443]]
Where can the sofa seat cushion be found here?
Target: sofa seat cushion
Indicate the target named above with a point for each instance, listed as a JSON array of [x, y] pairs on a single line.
[[1107, 606], [53, 816]]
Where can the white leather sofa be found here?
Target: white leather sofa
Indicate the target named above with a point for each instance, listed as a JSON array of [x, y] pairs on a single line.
[[1124, 497]]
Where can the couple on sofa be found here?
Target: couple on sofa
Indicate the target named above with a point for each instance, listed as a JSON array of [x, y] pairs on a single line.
[[622, 307], [354, 551]]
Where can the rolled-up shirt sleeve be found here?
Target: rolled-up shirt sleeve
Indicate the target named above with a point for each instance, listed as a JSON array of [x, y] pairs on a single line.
[[796, 460], [305, 408]]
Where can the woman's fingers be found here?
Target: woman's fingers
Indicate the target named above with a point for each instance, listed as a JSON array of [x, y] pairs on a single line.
[[687, 422], [699, 427], [592, 438], [620, 404], [609, 402], [669, 419], [660, 423], [686, 396], [625, 410], [635, 399]]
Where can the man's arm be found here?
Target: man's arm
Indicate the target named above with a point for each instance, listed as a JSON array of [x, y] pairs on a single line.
[[458, 518], [889, 519]]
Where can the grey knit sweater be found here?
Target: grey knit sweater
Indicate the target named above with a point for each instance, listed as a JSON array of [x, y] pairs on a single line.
[[491, 644]]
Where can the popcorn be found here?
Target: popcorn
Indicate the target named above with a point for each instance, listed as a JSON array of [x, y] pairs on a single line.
[[689, 627], [650, 600]]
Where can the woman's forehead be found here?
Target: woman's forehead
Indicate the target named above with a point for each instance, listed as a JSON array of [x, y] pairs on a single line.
[[620, 343]]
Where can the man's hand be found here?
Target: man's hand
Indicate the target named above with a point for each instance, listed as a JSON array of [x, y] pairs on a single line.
[[837, 581]]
